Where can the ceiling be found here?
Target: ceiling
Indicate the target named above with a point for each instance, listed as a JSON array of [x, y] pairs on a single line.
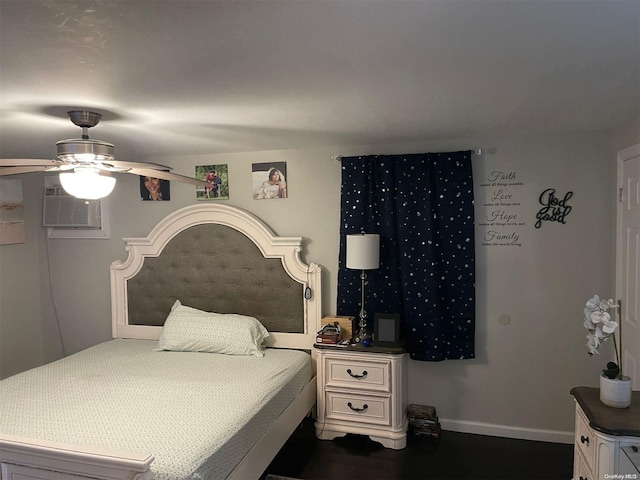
[[175, 77]]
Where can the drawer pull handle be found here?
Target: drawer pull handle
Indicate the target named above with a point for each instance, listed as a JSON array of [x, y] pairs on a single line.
[[356, 409], [584, 439], [355, 375]]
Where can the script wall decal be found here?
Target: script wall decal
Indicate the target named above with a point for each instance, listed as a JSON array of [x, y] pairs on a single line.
[[554, 209], [501, 220]]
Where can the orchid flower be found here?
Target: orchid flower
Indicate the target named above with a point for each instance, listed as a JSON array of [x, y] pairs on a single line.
[[592, 344], [598, 322], [593, 303]]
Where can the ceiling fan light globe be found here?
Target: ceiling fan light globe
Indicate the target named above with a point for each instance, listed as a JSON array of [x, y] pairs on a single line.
[[87, 183]]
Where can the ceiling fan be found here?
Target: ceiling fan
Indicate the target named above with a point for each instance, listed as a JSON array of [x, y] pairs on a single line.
[[86, 165]]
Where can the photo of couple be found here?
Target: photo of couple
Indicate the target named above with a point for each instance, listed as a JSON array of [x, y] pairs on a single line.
[[217, 178]]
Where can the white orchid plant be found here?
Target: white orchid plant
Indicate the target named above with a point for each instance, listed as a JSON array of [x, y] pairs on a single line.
[[601, 327]]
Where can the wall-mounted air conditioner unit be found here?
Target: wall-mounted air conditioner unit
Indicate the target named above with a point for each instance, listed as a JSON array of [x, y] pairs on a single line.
[[66, 216], [61, 210]]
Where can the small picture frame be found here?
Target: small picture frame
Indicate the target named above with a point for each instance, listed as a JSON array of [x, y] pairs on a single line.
[[386, 330], [154, 189], [217, 178], [269, 180]]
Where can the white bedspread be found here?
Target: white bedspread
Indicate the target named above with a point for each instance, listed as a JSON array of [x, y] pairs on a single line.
[[180, 407]]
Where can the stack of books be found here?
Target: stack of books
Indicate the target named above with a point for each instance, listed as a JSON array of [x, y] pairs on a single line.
[[423, 420]]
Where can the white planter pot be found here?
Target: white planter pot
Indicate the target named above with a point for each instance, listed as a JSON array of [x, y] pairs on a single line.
[[615, 392]]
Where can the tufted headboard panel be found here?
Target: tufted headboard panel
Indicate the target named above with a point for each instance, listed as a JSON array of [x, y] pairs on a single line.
[[217, 269]]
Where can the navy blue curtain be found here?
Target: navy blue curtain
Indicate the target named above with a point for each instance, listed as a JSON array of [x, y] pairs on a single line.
[[421, 205]]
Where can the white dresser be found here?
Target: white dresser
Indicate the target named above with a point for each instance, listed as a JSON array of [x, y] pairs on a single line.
[[362, 392], [607, 440]]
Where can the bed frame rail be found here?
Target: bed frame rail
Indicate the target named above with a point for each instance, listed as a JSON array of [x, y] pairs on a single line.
[[40, 459]]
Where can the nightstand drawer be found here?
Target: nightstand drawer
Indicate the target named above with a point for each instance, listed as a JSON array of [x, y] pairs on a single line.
[[585, 439], [580, 470], [359, 408], [358, 374]]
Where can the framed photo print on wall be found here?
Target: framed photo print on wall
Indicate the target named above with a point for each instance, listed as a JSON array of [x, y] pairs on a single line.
[[217, 178], [269, 180], [11, 212], [154, 189]]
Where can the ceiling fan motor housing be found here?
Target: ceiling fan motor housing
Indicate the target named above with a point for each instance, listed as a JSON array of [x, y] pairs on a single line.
[[78, 150]]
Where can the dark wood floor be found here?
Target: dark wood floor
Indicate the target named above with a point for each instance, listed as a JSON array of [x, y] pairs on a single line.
[[452, 456]]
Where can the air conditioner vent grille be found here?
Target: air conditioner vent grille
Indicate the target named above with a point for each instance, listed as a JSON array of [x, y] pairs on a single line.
[[61, 210]]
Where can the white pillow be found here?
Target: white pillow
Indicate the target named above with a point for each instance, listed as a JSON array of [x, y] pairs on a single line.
[[188, 329]]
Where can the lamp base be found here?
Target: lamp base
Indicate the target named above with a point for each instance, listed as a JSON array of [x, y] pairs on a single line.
[[361, 332]]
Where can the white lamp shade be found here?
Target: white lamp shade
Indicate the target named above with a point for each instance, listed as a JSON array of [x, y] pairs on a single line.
[[87, 183], [363, 251]]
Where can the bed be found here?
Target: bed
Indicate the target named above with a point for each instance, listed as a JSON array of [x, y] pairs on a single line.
[[143, 405]]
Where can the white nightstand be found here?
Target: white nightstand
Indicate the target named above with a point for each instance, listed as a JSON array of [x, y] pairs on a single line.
[[364, 392]]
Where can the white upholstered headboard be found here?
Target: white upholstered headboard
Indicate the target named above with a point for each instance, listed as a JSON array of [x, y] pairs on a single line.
[[216, 258]]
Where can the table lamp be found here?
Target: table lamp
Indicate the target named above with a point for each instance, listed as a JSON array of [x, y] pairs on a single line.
[[363, 253]]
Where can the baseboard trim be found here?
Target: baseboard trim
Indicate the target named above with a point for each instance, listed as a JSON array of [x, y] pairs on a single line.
[[493, 430]]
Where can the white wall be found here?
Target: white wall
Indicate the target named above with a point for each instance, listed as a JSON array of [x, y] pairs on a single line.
[[21, 329], [627, 134], [523, 371]]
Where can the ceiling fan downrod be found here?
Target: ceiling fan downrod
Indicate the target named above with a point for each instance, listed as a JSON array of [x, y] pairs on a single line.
[[85, 120]]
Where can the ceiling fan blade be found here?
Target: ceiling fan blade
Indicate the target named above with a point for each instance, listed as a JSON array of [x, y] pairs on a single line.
[[28, 162], [150, 172], [19, 170], [126, 165]]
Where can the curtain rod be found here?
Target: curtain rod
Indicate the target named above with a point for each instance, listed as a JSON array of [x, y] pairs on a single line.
[[338, 158]]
